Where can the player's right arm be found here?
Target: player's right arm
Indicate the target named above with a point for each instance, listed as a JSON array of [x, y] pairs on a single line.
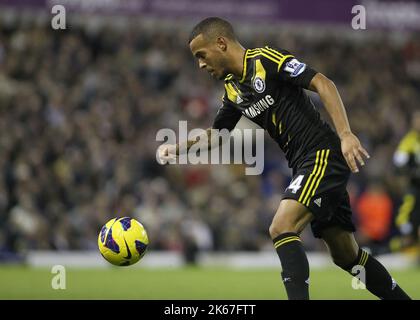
[[227, 117]]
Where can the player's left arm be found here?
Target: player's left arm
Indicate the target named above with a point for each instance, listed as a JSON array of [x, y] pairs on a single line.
[[292, 71], [350, 144]]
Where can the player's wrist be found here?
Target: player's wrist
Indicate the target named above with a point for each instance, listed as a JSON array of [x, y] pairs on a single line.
[[344, 134]]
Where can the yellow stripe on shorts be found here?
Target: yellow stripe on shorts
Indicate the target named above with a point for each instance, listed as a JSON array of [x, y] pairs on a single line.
[[324, 166], [310, 176]]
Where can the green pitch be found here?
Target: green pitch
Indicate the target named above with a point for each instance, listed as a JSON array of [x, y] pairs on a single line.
[[185, 283]]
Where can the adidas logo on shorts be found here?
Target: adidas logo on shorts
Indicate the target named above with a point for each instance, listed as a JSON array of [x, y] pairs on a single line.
[[318, 202]]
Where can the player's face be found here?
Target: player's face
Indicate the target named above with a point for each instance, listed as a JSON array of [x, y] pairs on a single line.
[[211, 56]]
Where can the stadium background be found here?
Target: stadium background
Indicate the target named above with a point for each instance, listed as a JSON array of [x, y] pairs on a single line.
[[79, 112]]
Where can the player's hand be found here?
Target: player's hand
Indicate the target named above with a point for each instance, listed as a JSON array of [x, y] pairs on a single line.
[[352, 150], [166, 153]]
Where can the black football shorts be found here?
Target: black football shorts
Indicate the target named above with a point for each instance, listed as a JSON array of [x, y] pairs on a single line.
[[319, 183]]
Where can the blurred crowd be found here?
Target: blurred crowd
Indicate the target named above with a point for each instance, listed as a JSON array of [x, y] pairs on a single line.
[[79, 113]]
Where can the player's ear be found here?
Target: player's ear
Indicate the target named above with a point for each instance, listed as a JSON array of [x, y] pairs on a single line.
[[221, 43]]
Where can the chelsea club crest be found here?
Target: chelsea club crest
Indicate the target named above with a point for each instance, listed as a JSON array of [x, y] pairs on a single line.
[[259, 85]]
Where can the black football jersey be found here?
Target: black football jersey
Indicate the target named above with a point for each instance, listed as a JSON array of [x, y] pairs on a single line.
[[271, 94]]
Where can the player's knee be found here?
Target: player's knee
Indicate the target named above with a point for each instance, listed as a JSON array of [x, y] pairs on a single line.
[[290, 217], [342, 263], [274, 231], [343, 259], [278, 228]]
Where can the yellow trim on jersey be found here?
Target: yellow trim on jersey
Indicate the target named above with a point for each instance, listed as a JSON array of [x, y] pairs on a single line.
[[232, 94], [320, 178], [259, 70], [276, 56], [281, 58], [271, 57], [244, 65], [253, 54], [282, 61], [266, 52], [288, 140], [275, 52], [229, 77], [310, 177], [405, 210], [252, 51], [286, 240], [273, 120]]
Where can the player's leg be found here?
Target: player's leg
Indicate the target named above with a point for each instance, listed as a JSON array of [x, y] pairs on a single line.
[[289, 221], [346, 254]]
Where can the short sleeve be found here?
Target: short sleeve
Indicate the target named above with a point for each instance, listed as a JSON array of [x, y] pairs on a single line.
[[296, 72], [287, 68]]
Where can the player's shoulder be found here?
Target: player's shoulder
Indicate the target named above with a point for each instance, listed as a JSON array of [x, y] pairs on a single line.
[[268, 55], [268, 52]]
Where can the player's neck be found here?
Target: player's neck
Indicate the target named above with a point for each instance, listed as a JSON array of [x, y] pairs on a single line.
[[238, 56]]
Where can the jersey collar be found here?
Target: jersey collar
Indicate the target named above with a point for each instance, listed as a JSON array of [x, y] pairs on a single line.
[[230, 75], [244, 66]]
